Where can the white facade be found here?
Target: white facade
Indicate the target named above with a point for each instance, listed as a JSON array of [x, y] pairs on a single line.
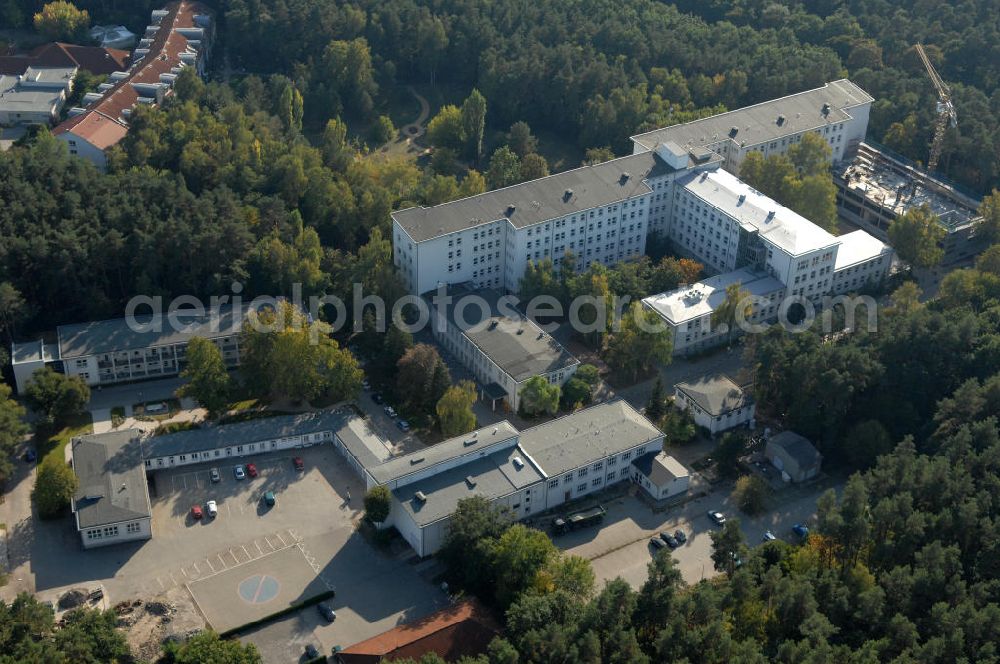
[[232, 453], [495, 254], [116, 533], [661, 475], [595, 476]]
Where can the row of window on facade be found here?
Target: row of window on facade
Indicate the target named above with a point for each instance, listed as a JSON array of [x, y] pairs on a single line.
[[109, 532]]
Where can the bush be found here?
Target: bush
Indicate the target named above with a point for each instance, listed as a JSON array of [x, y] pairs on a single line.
[[750, 494]]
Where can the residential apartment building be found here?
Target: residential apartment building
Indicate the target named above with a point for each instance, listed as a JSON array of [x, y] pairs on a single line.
[[117, 351], [179, 35], [502, 348]]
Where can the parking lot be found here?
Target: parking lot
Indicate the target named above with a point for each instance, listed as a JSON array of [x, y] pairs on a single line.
[[621, 546], [313, 520]]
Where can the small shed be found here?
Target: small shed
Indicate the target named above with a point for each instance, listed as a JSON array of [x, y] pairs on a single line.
[[793, 455]]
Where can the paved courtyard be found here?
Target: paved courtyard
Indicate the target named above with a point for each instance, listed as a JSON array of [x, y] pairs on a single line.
[[256, 589], [313, 521]]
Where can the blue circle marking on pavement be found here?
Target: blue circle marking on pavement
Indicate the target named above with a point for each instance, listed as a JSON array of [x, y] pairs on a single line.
[[258, 589]]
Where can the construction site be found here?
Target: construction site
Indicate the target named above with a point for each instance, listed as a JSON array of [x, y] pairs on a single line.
[[878, 185]]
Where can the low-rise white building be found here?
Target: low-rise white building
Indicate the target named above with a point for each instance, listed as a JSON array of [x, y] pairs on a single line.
[[502, 348], [687, 311], [716, 403], [35, 97], [111, 504], [661, 475], [118, 351]]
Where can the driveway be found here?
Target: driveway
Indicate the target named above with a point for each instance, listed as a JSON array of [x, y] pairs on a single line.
[[621, 547]]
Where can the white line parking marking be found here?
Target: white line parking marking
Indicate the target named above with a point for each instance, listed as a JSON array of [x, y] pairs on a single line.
[[162, 587], [236, 560], [259, 550], [207, 562], [249, 557], [195, 565], [278, 535], [184, 572], [221, 561]]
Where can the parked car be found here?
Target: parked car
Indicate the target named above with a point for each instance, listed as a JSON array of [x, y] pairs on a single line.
[[30, 456], [717, 517], [768, 536], [311, 652], [403, 425], [196, 512], [801, 531], [390, 411], [269, 499], [680, 536], [325, 611], [239, 473], [377, 398], [657, 543], [213, 509], [252, 469], [298, 463], [214, 474], [365, 385], [670, 540]]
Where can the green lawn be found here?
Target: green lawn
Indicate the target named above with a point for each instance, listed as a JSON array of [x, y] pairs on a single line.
[[52, 445]]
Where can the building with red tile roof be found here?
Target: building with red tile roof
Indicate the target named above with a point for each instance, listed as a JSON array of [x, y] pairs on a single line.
[[95, 59], [463, 629], [178, 36]]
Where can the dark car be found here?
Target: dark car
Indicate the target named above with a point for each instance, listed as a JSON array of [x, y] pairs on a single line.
[[680, 536], [657, 543], [30, 456], [311, 652], [670, 540], [377, 397], [298, 463], [325, 611], [800, 530]]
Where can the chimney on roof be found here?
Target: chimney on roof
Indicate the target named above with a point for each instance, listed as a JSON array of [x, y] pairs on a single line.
[[624, 178], [510, 209], [568, 194], [826, 109], [733, 131], [770, 215], [742, 199], [781, 120]]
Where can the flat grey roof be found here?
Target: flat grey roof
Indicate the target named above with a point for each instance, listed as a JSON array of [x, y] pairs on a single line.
[[587, 435], [239, 433], [759, 123], [857, 247], [716, 394], [112, 479], [518, 346], [363, 441], [539, 200], [32, 351], [109, 336], [471, 443], [492, 476]]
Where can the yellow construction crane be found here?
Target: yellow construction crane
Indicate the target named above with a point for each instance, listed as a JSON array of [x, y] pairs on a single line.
[[946, 115]]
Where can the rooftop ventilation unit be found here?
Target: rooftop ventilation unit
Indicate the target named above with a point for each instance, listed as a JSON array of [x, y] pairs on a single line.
[[470, 442], [495, 429], [517, 463], [826, 109], [520, 330], [420, 497], [510, 209], [470, 481], [541, 335], [568, 194], [741, 199], [625, 176], [770, 215], [414, 462], [781, 120], [733, 131]]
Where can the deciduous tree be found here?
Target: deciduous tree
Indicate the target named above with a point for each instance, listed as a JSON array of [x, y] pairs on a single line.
[[56, 397], [378, 502], [916, 235], [538, 396], [454, 409], [60, 21], [207, 380], [55, 484]]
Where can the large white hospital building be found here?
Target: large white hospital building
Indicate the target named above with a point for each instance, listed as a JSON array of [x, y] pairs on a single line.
[[680, 182]]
